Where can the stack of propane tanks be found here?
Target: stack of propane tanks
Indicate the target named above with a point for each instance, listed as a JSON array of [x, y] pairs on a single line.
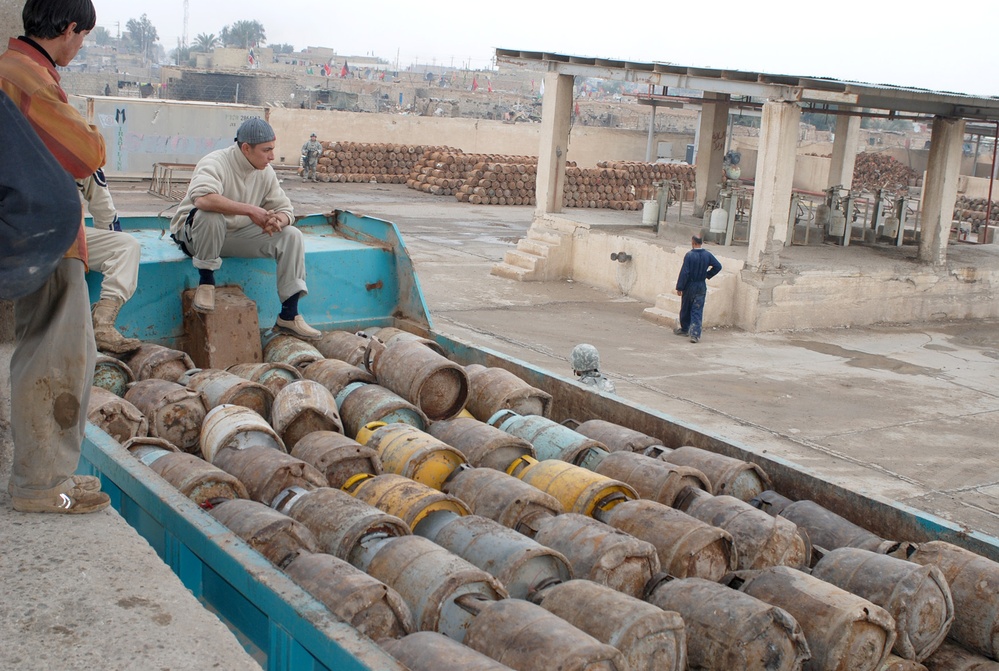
[[438, 510]]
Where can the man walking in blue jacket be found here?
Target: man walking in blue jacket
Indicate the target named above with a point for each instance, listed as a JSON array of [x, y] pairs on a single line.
[[699, 265]]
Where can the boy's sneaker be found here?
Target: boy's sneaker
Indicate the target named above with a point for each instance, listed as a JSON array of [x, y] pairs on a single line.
[[679, 332], [694, 339], [76, 501]]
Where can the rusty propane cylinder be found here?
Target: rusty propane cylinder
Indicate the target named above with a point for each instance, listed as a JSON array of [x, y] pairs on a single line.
[[916, 596], [338, 457], [650, 638], [503, 498], [527, 637], [343, 345], [577, 489], [430, 651], [390, 334], [339, 522], [193, 477], [360, 404], [728, 630], [974, 586], [844, 631], [652, 478], [896, 663], [405, 450], [430, 580], [550, 439], [687, 547], [617, 438], [290, 350], [274, 376], [112, 375], [221, 387], [762, 540], [433, 383], [407, 499], [599, 552], [117, 417], [952, 657], [276, 536], [484, 446], [236, 427], [267, 472], [175, 413], [302, 407], [365, 603], [495, 389], [335, 374], [825, 528], [156, 361], [521, 564], [732, 477]]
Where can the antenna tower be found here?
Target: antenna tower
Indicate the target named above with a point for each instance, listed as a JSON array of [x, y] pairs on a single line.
[[187, 13]]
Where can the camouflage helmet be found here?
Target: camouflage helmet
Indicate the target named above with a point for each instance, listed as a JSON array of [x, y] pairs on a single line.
[[584, 358]]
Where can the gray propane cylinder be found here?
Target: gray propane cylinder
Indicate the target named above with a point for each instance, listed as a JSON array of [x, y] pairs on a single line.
[[974, 585], [650, 638], [916, 596], [343, 345], [483, 445], [844, 631], [222, 387], [430, 651], [156, 361], [390, 334], [617, 438], [360, 404], [335, 374], [601, 553], [277, 537], [339, 522], [193, 477], [302, 407], [175, 413], [112, 375], [365, 603], [952, 657], [290, 350], [733, 477], [896, 663], [825, 528], [527, 637], [267, 472], [728, 630], [762, 540], [521, 564], [430, 580], [503, 498], [431, 382], [687, 547], [274, 376], [653, 479], [495, 389], [338, 457], [115, 416]]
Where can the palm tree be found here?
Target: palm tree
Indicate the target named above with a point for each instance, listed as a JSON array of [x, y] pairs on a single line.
[[205, 42], [245, 34]]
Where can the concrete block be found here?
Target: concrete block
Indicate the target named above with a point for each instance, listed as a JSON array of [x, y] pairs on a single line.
[[227, 336], [509, 272]]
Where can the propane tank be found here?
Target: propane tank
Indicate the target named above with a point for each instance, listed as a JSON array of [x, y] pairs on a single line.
[[277, 537], [719, 220]]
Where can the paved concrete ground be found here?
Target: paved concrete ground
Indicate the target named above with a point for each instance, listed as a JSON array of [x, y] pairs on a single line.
[[907, 412]]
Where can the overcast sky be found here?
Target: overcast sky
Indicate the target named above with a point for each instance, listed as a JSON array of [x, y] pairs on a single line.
[[941, 47]]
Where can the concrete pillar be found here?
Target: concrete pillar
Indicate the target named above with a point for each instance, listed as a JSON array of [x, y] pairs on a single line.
[[940, 189], [710, 150], [844, 155], [650, 152], [556, 111], [774, 174]]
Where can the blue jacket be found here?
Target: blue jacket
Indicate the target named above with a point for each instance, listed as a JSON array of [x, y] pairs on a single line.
[[699, 265]]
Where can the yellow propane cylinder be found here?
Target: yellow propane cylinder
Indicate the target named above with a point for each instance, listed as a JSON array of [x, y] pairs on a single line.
[[579, 490], [407, 499], [405, 450], [364, 433]]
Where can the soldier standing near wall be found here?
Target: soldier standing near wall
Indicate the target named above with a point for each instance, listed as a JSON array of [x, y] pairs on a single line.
[[311, 151]]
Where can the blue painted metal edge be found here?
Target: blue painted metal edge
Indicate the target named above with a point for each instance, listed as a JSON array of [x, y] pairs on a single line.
[[289, 608], [887, 518]]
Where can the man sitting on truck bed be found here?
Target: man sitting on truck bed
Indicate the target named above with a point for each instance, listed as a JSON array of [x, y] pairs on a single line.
[[235, 207]]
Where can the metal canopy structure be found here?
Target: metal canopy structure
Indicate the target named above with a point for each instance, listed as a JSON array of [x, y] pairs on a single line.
[[804, 89]]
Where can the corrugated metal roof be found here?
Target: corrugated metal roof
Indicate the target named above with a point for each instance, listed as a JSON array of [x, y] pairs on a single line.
[[810, 89]]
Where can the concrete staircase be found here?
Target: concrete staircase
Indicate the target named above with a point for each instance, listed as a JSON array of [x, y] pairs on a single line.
[[666, 311], [529, 261]]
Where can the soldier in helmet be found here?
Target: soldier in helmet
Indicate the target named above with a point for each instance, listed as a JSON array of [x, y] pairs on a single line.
[[585, 361], [311, 151]]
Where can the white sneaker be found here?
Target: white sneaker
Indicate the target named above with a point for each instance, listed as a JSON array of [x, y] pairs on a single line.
[[298, 327]]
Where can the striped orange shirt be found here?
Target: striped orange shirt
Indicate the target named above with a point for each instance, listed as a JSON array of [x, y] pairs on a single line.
[[32, 83]]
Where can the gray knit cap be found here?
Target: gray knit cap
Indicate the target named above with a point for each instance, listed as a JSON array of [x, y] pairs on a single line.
[[254, 131]]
